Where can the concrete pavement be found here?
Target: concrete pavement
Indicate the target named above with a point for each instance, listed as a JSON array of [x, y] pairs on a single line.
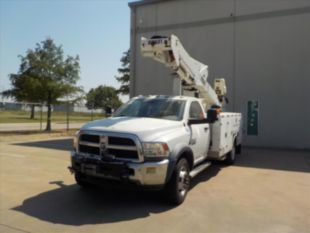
[[266, 191]]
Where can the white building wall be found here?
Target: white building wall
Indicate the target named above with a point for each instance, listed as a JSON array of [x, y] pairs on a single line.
[[262, 48]]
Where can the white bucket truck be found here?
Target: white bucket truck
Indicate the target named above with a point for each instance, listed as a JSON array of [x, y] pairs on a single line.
[[160, 142]]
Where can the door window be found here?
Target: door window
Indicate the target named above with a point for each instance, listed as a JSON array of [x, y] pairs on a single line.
[[195, 111]]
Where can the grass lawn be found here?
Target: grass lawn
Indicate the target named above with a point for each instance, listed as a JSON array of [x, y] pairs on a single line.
[[35, 135], [58, 117]]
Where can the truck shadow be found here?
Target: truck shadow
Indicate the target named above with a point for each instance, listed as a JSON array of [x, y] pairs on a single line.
[[276, 159], [72, 205], [56, 144], [207, 174]]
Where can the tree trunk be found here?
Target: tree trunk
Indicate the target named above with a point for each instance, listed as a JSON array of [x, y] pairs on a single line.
[[48, 122], [49, 112], [32, 111]]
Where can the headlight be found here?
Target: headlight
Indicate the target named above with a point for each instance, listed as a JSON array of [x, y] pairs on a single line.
[[155, 150], [75, 140]]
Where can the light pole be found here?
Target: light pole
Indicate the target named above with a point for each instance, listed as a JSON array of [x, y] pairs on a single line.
[[41, 113], [91, 113], [67, 115]]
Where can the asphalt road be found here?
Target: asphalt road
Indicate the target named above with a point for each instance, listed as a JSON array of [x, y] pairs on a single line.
[[266, 191], [11, 127]]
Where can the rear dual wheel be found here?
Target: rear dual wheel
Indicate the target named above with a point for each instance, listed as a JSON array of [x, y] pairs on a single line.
[[231, 156]]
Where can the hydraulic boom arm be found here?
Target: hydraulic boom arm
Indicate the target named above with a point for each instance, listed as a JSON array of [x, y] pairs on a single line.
[[193, 74]]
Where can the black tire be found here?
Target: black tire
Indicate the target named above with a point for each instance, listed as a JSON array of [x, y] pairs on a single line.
[[179, 183], [81, 180], [231, 157], [238, 149]]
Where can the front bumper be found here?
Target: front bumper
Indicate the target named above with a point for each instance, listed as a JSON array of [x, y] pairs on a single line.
[[144, 174]]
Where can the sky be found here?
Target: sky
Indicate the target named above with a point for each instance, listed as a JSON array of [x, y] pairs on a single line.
[[96, 30]]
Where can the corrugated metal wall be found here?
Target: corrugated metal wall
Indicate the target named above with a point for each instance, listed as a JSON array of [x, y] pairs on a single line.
[[262, 48]]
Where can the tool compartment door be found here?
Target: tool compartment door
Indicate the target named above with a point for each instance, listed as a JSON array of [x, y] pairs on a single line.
[[223, 133]]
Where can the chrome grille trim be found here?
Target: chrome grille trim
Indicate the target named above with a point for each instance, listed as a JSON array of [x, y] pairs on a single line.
[[89, 144], [122, 147], [104, 138]]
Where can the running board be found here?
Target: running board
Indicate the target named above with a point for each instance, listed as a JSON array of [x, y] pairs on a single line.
[[199, 169]]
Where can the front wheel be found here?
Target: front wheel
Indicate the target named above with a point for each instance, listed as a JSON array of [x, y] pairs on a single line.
[[179, 183]]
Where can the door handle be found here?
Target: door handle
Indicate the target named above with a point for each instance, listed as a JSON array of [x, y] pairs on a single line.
[[206, 129]]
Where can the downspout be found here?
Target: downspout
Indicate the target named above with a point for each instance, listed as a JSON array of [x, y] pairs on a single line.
[[132, 88]]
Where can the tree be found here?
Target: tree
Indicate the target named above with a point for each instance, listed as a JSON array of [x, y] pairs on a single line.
[[24, 89], [104, 97], [45, 76], [124, 72]]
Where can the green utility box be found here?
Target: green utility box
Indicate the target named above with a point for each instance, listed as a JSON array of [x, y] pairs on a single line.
[[252, 117]]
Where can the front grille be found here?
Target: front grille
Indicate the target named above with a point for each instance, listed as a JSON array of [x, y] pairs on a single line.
[[89, 149], [109, 146], [123, 153], [90, 138], [121, 141]]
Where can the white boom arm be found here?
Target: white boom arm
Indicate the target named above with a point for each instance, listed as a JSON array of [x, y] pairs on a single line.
[[193, 74]]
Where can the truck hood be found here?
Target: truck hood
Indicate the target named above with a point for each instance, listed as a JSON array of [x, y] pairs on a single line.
[[147, 129]]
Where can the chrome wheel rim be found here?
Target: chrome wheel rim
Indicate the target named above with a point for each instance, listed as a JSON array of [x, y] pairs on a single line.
[[184, 181]]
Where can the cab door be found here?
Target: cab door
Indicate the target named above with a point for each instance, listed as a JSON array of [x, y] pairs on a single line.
[[199, 133]]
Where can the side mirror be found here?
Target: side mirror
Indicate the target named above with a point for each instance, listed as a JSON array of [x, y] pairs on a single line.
[[212, 115]]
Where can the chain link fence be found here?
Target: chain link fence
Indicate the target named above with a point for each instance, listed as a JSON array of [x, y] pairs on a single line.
[[15, 116]]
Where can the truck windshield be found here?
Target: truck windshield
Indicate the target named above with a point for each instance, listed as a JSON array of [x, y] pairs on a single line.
[[170, 109]]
